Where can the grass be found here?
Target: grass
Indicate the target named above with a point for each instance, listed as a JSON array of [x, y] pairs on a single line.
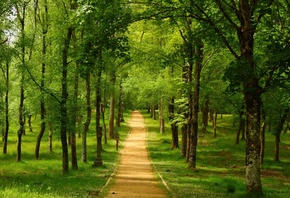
[[220, 164], [43, 178]]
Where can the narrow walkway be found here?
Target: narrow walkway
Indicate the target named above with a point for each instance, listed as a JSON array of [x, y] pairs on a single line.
[[135, 177]]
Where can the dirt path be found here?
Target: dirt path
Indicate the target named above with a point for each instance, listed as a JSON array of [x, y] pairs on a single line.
[[135, 176]]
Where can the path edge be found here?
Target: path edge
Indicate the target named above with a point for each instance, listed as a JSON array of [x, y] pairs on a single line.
[[153, 165], [116, 162]]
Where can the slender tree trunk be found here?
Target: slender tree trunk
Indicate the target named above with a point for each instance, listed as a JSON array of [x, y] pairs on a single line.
[[161, 117], [241, 126], [205, 117], [112, 115], [42, 82], [21, 118], [88, 118], [194, 126], [262, 137], [74, 119], [103, 107], [183, 140], [214, 123], [29, 123], [278, 131], [50, 136], [98, 161], [112, 107], [210, 116], [21, 121], [153, 112], [174, 127], [63, 104], [119, 115], [6, 129]]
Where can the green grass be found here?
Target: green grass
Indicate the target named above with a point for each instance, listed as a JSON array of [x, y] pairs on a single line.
[[220, 164], [43, 177]]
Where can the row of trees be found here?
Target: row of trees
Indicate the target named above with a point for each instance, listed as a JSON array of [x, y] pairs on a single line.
[[230, 56], [183, 57], [59, 55]]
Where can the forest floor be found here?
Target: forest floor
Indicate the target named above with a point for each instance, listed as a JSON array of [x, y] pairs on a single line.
[[135, 175]]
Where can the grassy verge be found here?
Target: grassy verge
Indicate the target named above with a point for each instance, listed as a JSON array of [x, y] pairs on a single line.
[[43, 178], [220, 163]]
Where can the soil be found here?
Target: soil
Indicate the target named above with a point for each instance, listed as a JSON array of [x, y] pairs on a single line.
[[135, 176]]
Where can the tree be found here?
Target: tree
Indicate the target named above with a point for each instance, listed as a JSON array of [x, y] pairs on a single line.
[[43, 19]]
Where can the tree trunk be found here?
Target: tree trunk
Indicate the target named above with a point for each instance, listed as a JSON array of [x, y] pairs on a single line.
[[98, 160], [210, 116], [194, 125], [21, 118], [241, 126], [119, 115], [161, 117], [174, 127], [214, 123], [21, 121], [50, 137], [153, 113], [75, 114], [88, 118], [278, 131], [111, 118], [103, 107], [253, 145], [205, 117], [262, 138], [183, 140], [29, 123], [42, 83], [63, 104], [112, 107], [6, 130]]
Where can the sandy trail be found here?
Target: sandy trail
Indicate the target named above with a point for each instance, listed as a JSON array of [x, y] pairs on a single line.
[[135, 176]]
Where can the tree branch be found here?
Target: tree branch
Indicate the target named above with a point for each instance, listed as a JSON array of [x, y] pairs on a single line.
[[38, 85], [226, 15], [2, 42], [217, 30]]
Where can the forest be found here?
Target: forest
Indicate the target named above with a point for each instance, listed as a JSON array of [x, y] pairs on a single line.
[[72, 70]]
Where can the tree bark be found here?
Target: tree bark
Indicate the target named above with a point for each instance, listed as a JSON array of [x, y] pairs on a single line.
[[29, 123], [21, 119], [50, 136], [278, 131], [153, 113], [183, 140], [42, 82], [6, 129], [119, 115], [103, 107], [88, 118], [98, 161], [161, 116], [214, 123], [174, 127], [111, 128], [75, 113], [241, 126], [205, 118], [194, 125], [63, 104]]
